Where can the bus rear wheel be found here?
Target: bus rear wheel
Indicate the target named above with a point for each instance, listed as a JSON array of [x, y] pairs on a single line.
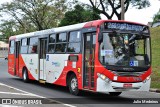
[[73, 85], [25, 75], [115, 93]]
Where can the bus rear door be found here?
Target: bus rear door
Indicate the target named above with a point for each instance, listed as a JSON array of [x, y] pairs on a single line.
[[42, 58], [17, 50]]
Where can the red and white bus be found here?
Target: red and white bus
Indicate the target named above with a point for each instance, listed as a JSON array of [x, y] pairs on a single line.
[[104, 56]]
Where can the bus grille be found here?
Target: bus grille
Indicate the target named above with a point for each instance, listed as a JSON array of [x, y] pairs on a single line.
[[128, 73]]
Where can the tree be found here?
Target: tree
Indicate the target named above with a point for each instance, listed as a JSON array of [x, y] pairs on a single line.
[[78, 15], [35, 14], [156, 17], [6, 29], [114, 6]]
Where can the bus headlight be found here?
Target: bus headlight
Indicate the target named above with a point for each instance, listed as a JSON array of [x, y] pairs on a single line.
[[103, 77], [146, 79]]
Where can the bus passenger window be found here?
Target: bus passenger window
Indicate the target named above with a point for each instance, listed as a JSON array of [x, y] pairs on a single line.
[[51, 45], [60, 47], [61, 42], [74, 42], [51, 48], [62, 37], [11, 48], [73, 47], [33, 45], [24, 46]]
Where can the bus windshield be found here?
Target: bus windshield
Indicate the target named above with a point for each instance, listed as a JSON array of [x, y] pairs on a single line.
[[125, 49]]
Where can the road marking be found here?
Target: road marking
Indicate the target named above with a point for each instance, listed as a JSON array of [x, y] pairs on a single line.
[[21, 90], [36, 95], [16, 93], [9, 106], [69, 105]]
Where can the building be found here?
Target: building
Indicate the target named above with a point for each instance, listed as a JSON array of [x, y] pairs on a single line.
[[3, 49]]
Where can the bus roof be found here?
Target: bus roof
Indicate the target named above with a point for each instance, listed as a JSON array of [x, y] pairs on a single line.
[[94, 23]]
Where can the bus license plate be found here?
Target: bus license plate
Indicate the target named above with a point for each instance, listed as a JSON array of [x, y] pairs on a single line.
[[127, 85]]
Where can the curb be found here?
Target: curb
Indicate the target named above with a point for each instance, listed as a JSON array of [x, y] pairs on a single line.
[[154, 90]]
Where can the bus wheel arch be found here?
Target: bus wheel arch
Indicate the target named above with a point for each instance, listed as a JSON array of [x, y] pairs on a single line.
[[25, 74], [72, 83]]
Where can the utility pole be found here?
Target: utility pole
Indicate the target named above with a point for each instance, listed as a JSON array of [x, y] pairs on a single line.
[[122, 10]]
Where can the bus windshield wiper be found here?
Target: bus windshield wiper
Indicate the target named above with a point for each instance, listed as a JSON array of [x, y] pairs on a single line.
[[132, 37]]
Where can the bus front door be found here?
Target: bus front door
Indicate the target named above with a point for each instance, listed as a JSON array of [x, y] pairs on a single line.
[[42, 58], [88, 60]]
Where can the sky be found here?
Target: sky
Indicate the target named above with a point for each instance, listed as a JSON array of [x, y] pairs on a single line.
[[142, 16]]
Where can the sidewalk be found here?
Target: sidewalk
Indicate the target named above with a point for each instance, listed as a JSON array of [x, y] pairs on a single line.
[[154, 90]]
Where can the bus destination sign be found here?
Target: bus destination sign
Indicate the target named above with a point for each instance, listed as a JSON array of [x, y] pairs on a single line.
[[124, 26]]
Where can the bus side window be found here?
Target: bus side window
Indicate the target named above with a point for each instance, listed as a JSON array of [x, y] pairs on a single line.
[[61, 42], [74, 42], [33, 42], [24, 45], [11, 47], [51, 45]]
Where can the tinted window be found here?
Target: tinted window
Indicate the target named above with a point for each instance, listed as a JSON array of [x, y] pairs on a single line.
[[61, 43], [74, 42], [74, 36], [32, 49], [73, 47], [33, 45], [33, 41], [51, 48], [11, 48], [52, 38], [62, 37], [24, 49], [60, 47], [12, 43], [24, 42]]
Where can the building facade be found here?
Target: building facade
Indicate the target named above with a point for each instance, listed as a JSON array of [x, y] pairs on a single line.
[[3, 49]]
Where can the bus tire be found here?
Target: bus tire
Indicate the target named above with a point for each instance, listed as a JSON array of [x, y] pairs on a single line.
[[25, 75], [115, 93], [73, 85]]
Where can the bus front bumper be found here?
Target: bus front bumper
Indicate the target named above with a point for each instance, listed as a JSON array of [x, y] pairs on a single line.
[[105, 87]]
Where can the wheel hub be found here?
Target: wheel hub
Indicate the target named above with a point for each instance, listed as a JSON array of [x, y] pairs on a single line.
[[73, 84], [24, 76]]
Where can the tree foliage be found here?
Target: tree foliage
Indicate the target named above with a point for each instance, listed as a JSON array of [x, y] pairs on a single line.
[[113, 7], [156, 17], [33, 15], [78, 15]]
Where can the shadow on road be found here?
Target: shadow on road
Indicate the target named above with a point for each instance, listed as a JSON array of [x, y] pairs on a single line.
[[85, 97]]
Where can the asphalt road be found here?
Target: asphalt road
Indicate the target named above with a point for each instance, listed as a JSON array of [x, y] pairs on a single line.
[[87, 99]]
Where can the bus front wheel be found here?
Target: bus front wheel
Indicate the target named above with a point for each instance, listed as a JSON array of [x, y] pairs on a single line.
[[115, 93], [73, 85], [25, 75]]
